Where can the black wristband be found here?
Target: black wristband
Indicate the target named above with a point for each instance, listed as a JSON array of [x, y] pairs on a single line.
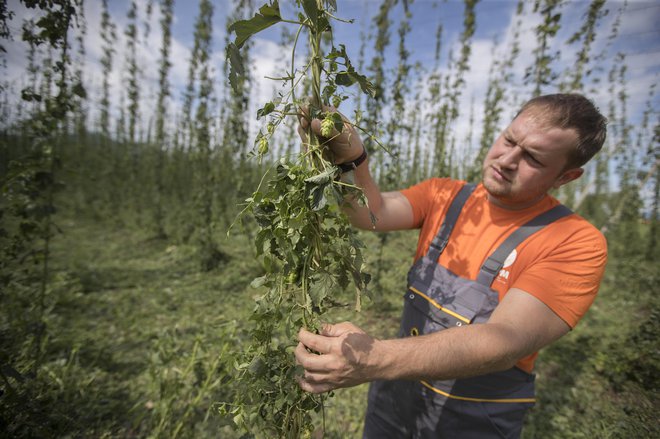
[[349, 166]]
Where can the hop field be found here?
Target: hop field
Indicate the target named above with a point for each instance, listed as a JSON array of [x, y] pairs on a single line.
[[153, 216]]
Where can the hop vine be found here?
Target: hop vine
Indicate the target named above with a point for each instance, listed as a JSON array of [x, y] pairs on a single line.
[[309, 252]]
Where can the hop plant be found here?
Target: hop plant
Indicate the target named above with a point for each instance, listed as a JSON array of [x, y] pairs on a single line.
[[309, 251]]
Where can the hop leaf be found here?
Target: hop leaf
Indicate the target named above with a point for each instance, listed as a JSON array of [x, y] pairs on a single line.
[[267, 16]]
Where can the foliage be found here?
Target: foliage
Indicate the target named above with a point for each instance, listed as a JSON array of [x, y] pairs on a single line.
[[27, 208], [449, 109], [541, 70], [601, 381], [131, 310], [501, 75], [307, 247], [133, 80], [209, 254], [161, 113], [381, 23], [587, 34]]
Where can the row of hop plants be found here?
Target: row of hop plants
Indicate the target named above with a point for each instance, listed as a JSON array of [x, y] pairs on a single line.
[[150, 172]]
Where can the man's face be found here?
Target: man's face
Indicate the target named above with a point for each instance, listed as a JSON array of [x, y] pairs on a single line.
[[527, 160]]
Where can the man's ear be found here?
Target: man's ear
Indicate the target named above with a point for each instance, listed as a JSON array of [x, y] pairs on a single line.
[[567, 177]]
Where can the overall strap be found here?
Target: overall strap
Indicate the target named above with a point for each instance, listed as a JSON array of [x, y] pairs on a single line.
[[440, 241], [495, 261]]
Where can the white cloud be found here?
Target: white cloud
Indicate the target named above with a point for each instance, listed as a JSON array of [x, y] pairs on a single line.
[[640, 16]]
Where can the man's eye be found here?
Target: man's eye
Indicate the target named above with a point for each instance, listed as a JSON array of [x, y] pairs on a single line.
[[533, 159]]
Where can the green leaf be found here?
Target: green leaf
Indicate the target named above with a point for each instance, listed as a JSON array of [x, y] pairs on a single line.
[[257, 367], [311, 9], [29, 96], [331, 4], [323, 25], [318, 198], [267, 109], [268, 15], [323, 178], [79, 90], [338, 121], [328, 91], [350, 77], [339, 198], [235, 65], [258, 281], [320, 287], [344, 78]]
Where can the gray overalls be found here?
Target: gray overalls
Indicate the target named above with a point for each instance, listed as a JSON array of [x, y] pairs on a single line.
[[487, 406]]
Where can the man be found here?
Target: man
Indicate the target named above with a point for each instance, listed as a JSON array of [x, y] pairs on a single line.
[[472, 326]]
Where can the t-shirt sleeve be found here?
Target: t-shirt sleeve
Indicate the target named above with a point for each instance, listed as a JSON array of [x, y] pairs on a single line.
[[567, 278], [424, 195]]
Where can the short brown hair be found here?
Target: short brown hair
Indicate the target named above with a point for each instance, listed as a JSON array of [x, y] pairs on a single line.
[[572, 110]]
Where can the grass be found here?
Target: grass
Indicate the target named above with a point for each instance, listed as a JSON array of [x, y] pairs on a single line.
[[137, 337]]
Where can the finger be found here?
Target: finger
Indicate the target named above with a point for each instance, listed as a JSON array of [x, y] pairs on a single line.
[[304, 118], [312, 362], [303, 134], [313, 388], [331, 109], [316, 378], [318, 343], [328, 329], [316, 127], [301, 353], [304, 109], [338, 329], [315, 363], [303, 128]]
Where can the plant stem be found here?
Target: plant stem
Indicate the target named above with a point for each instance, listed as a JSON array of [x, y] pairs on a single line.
[[317, 67], [293, 64]]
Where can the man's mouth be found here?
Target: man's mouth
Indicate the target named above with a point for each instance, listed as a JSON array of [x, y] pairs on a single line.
[[500, 174]]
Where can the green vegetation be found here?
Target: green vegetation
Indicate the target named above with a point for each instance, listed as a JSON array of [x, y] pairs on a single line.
[[138, 329], [127, 310], [308, 250]]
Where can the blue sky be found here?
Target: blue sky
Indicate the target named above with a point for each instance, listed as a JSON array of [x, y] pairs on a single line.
[[639, 39]]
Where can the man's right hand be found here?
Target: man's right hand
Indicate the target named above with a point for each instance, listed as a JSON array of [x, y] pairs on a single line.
[[345, 146], [391, 210]]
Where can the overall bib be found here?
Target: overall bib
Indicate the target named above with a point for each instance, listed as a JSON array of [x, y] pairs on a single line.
[[486, 406]]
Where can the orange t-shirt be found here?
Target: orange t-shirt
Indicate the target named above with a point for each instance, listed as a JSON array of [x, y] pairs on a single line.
[[561, 265]]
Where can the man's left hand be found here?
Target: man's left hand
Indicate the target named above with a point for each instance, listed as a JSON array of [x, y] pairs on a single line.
[[342, 358]]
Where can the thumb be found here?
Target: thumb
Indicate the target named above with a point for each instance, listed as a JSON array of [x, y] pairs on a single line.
[[330, 330]]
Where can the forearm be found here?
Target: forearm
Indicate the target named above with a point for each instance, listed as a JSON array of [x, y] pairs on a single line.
[[347, 356], [454, 353], [361, 215]]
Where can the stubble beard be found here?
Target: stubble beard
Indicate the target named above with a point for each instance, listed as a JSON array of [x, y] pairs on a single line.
[[496, 189]]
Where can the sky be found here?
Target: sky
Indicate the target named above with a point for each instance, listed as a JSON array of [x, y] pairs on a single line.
[[639, 39]]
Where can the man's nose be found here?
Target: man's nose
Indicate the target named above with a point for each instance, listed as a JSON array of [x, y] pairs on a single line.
[[510, 158]]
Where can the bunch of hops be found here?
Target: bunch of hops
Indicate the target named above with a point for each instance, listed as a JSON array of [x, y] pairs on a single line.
[[327, 124]]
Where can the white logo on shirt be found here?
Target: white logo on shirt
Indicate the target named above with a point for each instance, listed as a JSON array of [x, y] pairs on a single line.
[[504, 274], [510, 259]]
